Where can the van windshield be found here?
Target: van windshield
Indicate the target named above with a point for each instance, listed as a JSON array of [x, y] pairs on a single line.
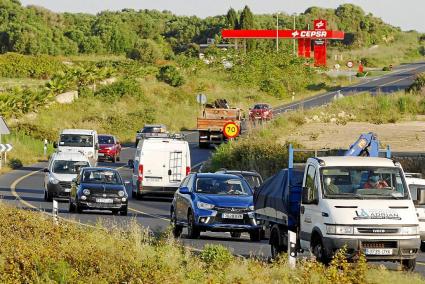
[[363, 183], [76, 140], [68, 167], [222, 186]]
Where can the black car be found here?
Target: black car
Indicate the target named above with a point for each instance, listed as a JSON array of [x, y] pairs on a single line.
[[253, 178], [98, 189]]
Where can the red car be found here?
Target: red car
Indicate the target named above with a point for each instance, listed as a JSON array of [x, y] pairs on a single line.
[[109, 148], [261, 112]]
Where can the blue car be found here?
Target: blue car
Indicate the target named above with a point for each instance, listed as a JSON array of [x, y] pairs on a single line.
[[214, 202]]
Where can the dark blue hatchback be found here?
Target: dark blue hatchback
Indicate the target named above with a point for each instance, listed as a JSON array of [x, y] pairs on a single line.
[[214, 202]]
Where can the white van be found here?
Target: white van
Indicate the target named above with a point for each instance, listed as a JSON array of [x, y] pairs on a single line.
[[159, 166], [416, 185], [62, 168], [79, 140]]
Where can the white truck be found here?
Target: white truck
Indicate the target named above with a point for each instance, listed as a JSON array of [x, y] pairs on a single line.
[[362, 203], [416, 185], [160, 164], [79, 140]]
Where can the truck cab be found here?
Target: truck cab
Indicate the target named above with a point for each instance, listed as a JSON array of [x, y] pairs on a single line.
[[79, 140], [362, 203]]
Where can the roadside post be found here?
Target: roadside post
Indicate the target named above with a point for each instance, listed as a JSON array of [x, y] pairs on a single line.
[[350, 65], [45, 148], [55, 212], [292, 249]]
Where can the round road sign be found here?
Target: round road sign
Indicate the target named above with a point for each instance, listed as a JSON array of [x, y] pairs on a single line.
[[231, 130], [350, 64]]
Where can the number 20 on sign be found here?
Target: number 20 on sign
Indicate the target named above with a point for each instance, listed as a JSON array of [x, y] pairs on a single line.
[[231, 130]]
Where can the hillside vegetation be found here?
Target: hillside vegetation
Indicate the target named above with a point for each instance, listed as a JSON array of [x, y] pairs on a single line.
[[34, 250]]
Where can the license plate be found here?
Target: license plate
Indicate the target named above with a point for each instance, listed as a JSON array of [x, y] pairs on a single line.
[[104, 200], [67, 190], [101, 154], [154, 179], [232, 216], [370, 251]]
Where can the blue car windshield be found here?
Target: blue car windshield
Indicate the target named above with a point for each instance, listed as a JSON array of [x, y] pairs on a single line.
[[222, 186]]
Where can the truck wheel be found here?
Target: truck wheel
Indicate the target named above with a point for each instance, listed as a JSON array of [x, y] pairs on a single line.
[[177, 229], [422, 246], [235, 235], [276, 249], [192, 230], [255, 236], [204, 145], [319, 251], [408, 264]]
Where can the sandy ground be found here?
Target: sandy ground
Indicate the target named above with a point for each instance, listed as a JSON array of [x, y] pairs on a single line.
[[403, 136]]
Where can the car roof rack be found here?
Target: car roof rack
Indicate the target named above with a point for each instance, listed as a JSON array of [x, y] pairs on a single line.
[[176, 136]]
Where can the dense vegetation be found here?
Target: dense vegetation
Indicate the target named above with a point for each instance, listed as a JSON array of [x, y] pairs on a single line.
[[34, 250], [36, 30]]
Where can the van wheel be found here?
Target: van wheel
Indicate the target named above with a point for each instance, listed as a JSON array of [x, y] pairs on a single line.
[[408, 264], [319, 251], [192, 230], [235, 235], [177, 229]]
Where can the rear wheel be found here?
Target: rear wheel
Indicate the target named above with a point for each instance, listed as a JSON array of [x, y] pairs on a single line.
[[235, 235], [192, 230], [408, 264], [177, 229]]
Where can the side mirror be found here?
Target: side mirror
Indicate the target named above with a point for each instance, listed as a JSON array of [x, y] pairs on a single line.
[[421, 196], [96, 146], [184, 190], [307, 196], [46, 170], [130, 163], [55, 144]]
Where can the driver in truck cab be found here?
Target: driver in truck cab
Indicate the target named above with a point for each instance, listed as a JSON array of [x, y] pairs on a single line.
[[331, 188], [375, 181]]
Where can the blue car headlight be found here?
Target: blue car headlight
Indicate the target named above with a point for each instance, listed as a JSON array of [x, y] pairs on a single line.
[[203, 205]]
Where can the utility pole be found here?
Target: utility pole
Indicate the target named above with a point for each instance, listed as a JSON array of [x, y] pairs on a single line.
[[277, 31]]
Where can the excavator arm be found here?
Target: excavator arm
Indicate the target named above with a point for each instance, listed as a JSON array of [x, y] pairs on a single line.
[[367, 146]]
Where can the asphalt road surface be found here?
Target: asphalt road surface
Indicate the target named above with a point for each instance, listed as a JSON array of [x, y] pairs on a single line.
[[24, 188]]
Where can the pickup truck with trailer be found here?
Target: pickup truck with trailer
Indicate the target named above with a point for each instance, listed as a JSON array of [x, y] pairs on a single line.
[[210, 124], [361, 203]]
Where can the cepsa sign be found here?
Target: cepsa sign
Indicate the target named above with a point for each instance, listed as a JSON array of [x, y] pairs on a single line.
[[231, 130], [312, 34]]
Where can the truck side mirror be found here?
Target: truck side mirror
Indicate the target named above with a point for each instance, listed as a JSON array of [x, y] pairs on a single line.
[[55, 145], [421, 196], [46, 170], [307, 196]]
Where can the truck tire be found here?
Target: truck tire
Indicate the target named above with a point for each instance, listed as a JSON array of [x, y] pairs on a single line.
[[275, 247], [193, 231], [319, 251], [408, 264]]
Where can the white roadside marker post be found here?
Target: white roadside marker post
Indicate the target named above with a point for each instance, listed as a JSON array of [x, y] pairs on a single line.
[[292, 249], [55, 212]]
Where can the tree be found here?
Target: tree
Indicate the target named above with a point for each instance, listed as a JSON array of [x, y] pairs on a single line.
[[246, 23], [232, 19], [146, 51]]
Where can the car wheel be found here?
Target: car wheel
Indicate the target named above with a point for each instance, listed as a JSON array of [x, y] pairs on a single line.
[[422, 246], [114, 212], [319, 251], [118, 158], [49, 197], [177, 229], [124, 212], [235, 235], [254, 236], [114, 159], [45, 195], [408, 264], [78, 208], [193, 231], [71, 207]]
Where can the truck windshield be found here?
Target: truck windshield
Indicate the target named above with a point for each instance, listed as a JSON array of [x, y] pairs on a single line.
[[363, 183], [222, 186], [68, 167], [76, 140]]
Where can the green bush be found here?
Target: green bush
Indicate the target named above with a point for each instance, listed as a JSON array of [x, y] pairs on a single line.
[[216, 256], [418, 84], [13, 65], [17, 102], [273, 87], [15, 163], [124, 87], [170, 75], [386, 68], [146, 51]]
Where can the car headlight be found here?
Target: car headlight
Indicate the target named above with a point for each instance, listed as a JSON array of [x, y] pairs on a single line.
[[414, 230], [53, 180], [251, 207], [86, 191], [339, 230], [203, 205], [121, 193]]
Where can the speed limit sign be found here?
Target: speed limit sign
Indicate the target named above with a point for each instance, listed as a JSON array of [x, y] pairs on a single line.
[[231, 130]]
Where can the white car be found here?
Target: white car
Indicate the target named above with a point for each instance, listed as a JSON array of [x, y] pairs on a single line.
[[62, 168], [159, 165]]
